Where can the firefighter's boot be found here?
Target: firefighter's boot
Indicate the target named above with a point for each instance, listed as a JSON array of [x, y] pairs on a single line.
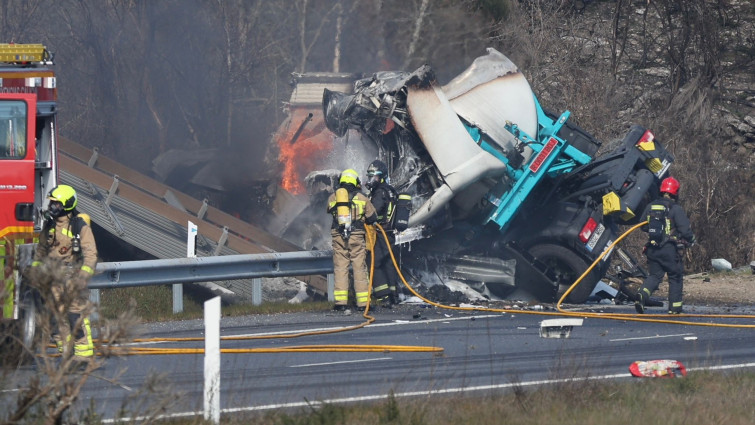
[[639, 303]]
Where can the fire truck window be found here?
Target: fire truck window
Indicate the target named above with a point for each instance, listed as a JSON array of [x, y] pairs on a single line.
[[12, 130]]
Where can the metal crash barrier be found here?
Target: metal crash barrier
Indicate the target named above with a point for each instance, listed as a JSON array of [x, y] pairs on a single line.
[[208, 269]]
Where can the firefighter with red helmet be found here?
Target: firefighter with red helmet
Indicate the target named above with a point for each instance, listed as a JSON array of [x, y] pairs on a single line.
[[67, 238], [384, 198], [669, 234], [351, 209]]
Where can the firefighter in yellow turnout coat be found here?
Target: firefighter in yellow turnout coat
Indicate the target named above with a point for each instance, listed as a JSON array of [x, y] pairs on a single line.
[[351, 209], [67, 238]]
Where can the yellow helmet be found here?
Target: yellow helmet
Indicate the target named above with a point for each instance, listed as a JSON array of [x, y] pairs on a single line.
[[64, 194], [350, 177]]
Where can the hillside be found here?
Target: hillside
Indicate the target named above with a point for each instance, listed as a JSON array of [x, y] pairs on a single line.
[[683, 69], [138, 79]]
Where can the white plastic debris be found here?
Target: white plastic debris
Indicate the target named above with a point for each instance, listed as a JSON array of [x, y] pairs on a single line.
[[301, 295], [720, 264], [558, 328]]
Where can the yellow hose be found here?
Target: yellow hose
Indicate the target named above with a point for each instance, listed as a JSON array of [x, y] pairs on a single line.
[[562, 312], [308, 348], [650, 318]]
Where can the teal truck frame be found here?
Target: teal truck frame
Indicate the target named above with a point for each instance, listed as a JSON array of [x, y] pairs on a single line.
[[507, 196]]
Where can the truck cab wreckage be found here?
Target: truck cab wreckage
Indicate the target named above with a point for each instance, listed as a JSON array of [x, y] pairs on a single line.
[[501, 187]]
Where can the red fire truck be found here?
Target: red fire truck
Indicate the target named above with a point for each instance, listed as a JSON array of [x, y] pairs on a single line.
[[28, 168]]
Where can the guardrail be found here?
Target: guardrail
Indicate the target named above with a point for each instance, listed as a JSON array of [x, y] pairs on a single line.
[[208, 269]]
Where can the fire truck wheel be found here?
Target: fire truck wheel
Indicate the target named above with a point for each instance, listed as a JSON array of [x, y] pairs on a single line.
[[567, 266], [17, 340], [28, 319]]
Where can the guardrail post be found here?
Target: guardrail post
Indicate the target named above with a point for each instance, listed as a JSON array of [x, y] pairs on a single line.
[[256, 291], [94, 297], [331, 287], [212, 360]]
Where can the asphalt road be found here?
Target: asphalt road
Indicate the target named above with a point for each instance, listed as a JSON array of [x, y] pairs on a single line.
[[483, 353]]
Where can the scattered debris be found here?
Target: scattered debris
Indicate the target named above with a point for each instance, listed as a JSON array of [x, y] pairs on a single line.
[[558, 328], [301, 295], [658, 369], [603, 293], [720, 264]]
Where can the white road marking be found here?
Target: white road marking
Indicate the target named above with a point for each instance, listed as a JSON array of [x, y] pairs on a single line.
[[376, 397], [650, 337], [341, 362], [374, 325]]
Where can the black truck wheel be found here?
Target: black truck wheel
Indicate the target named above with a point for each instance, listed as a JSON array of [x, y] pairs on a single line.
[[566, 266], [17, 337], [28, 322]]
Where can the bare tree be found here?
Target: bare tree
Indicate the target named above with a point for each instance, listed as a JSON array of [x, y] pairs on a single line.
[[58, 379], [420, 17]]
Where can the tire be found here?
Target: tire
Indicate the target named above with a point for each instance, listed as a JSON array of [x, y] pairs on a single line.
[[28, 320], [567, 266]]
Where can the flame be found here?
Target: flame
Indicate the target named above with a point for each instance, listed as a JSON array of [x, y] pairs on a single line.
[[306, 154]]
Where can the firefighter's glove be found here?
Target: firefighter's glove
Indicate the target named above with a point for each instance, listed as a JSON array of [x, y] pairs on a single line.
[[80, 280]]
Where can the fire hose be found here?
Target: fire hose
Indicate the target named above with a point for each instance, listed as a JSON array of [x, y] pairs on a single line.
[[289, 349], [561, 312], [651, 318]]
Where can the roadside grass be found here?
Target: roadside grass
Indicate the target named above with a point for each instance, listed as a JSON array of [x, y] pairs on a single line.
[[700, 398], [155, 303]]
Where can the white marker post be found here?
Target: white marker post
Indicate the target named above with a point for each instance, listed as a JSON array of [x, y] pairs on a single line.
[[191, 252], [212, 360]]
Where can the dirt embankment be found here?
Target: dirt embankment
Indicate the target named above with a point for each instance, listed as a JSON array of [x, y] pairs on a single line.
[[719, 288]]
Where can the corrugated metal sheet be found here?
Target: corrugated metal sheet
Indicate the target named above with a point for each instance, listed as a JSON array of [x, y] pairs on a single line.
[[309, 87], [145, 229], [311, 94], [139, 215]]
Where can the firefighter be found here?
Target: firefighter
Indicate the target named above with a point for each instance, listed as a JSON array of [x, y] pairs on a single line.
[[67, 238], [351, 210], [383, 197], [669, 234]]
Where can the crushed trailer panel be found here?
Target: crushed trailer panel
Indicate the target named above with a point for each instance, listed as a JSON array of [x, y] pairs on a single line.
[[493, 174]]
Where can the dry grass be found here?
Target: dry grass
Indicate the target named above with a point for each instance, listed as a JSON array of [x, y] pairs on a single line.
[[155, 303], [701, 398]]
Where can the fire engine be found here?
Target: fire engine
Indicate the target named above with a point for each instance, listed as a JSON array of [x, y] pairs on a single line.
[[28, 168]]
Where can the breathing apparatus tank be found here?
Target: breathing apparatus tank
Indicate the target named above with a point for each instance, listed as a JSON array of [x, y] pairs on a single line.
[[343, 211]]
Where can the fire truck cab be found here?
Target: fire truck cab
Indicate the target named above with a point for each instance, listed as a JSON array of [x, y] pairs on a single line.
[[28, 169]]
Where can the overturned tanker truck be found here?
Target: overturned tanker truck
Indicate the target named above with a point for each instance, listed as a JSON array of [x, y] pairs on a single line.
[[500, 186]]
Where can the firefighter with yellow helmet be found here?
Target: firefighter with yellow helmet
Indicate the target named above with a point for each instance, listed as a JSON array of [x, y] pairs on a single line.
[[351, 209], [67, 238]]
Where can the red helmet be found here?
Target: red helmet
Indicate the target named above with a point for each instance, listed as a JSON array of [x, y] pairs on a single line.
[[670, 185]]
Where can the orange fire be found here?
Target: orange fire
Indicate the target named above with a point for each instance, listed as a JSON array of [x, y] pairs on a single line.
[[303, 156]]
